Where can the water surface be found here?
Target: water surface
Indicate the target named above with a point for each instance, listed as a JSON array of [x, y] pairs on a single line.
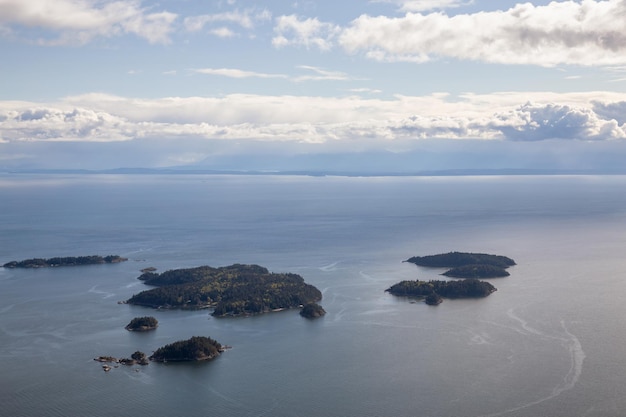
[[549, 342]]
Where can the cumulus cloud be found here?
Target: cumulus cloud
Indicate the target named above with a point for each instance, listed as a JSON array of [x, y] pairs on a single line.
[[293, 31], [584, 33], [54, 124], [534, 122], [80, 21], [611, 111]]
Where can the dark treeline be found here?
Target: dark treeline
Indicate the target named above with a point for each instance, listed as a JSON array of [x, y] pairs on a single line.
[[476, 271], [197, 348], [466, 288], [232, 290], [142, 324], [466, 265], [456, 259]]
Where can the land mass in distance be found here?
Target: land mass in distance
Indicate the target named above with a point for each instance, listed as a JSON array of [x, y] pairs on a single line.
[[65, 261]]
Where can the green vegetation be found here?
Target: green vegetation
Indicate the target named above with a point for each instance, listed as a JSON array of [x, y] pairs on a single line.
[[198, 348], [142, 324], [231, 291], [476, 271], [467, 265], [65, 261], [467, 288], [456, 259], [312, 311]]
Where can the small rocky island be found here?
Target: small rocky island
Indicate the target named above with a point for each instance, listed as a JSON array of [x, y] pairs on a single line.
[[312, 311], [467, 265], [433, 291], [65, 261], [142, 324], [198, 348], [235, 290], [137, 358]]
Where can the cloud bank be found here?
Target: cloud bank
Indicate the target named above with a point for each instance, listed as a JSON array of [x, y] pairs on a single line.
[[536, 130], [576, 33], [96, 117]]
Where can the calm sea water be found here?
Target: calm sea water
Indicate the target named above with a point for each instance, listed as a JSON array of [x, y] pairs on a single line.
[[549, 342]]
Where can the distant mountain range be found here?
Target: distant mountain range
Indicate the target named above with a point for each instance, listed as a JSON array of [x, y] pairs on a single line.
[[320, 173]]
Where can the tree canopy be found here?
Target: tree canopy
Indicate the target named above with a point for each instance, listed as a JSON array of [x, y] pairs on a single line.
[[466, 265], [476, 271], [456, 259], [142, 324], [467, 288], [232, 290], [198, 348]]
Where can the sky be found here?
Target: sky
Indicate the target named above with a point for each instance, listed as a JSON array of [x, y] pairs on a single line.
[[355, 86]]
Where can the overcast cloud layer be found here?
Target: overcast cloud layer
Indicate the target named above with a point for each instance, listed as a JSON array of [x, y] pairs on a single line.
[[173, 83]]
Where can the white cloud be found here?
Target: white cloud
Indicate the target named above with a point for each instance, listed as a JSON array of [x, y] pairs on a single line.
[[466, 131], [611, 110], [237, 73], [321, 74], [348, 120], [586, 33], [55, 124], [292, 31], [245, 19], [534, 122], [315, 74], [223, 32], [365, 90], [79, 21], [425, 5]]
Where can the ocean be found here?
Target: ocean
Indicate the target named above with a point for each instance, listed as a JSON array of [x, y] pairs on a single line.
[[549, 342]]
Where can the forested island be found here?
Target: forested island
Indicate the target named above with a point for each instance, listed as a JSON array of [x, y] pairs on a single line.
[[142, 324], [433, 291], [65, 261], [233, 290], [467, 265], [198, 348]]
